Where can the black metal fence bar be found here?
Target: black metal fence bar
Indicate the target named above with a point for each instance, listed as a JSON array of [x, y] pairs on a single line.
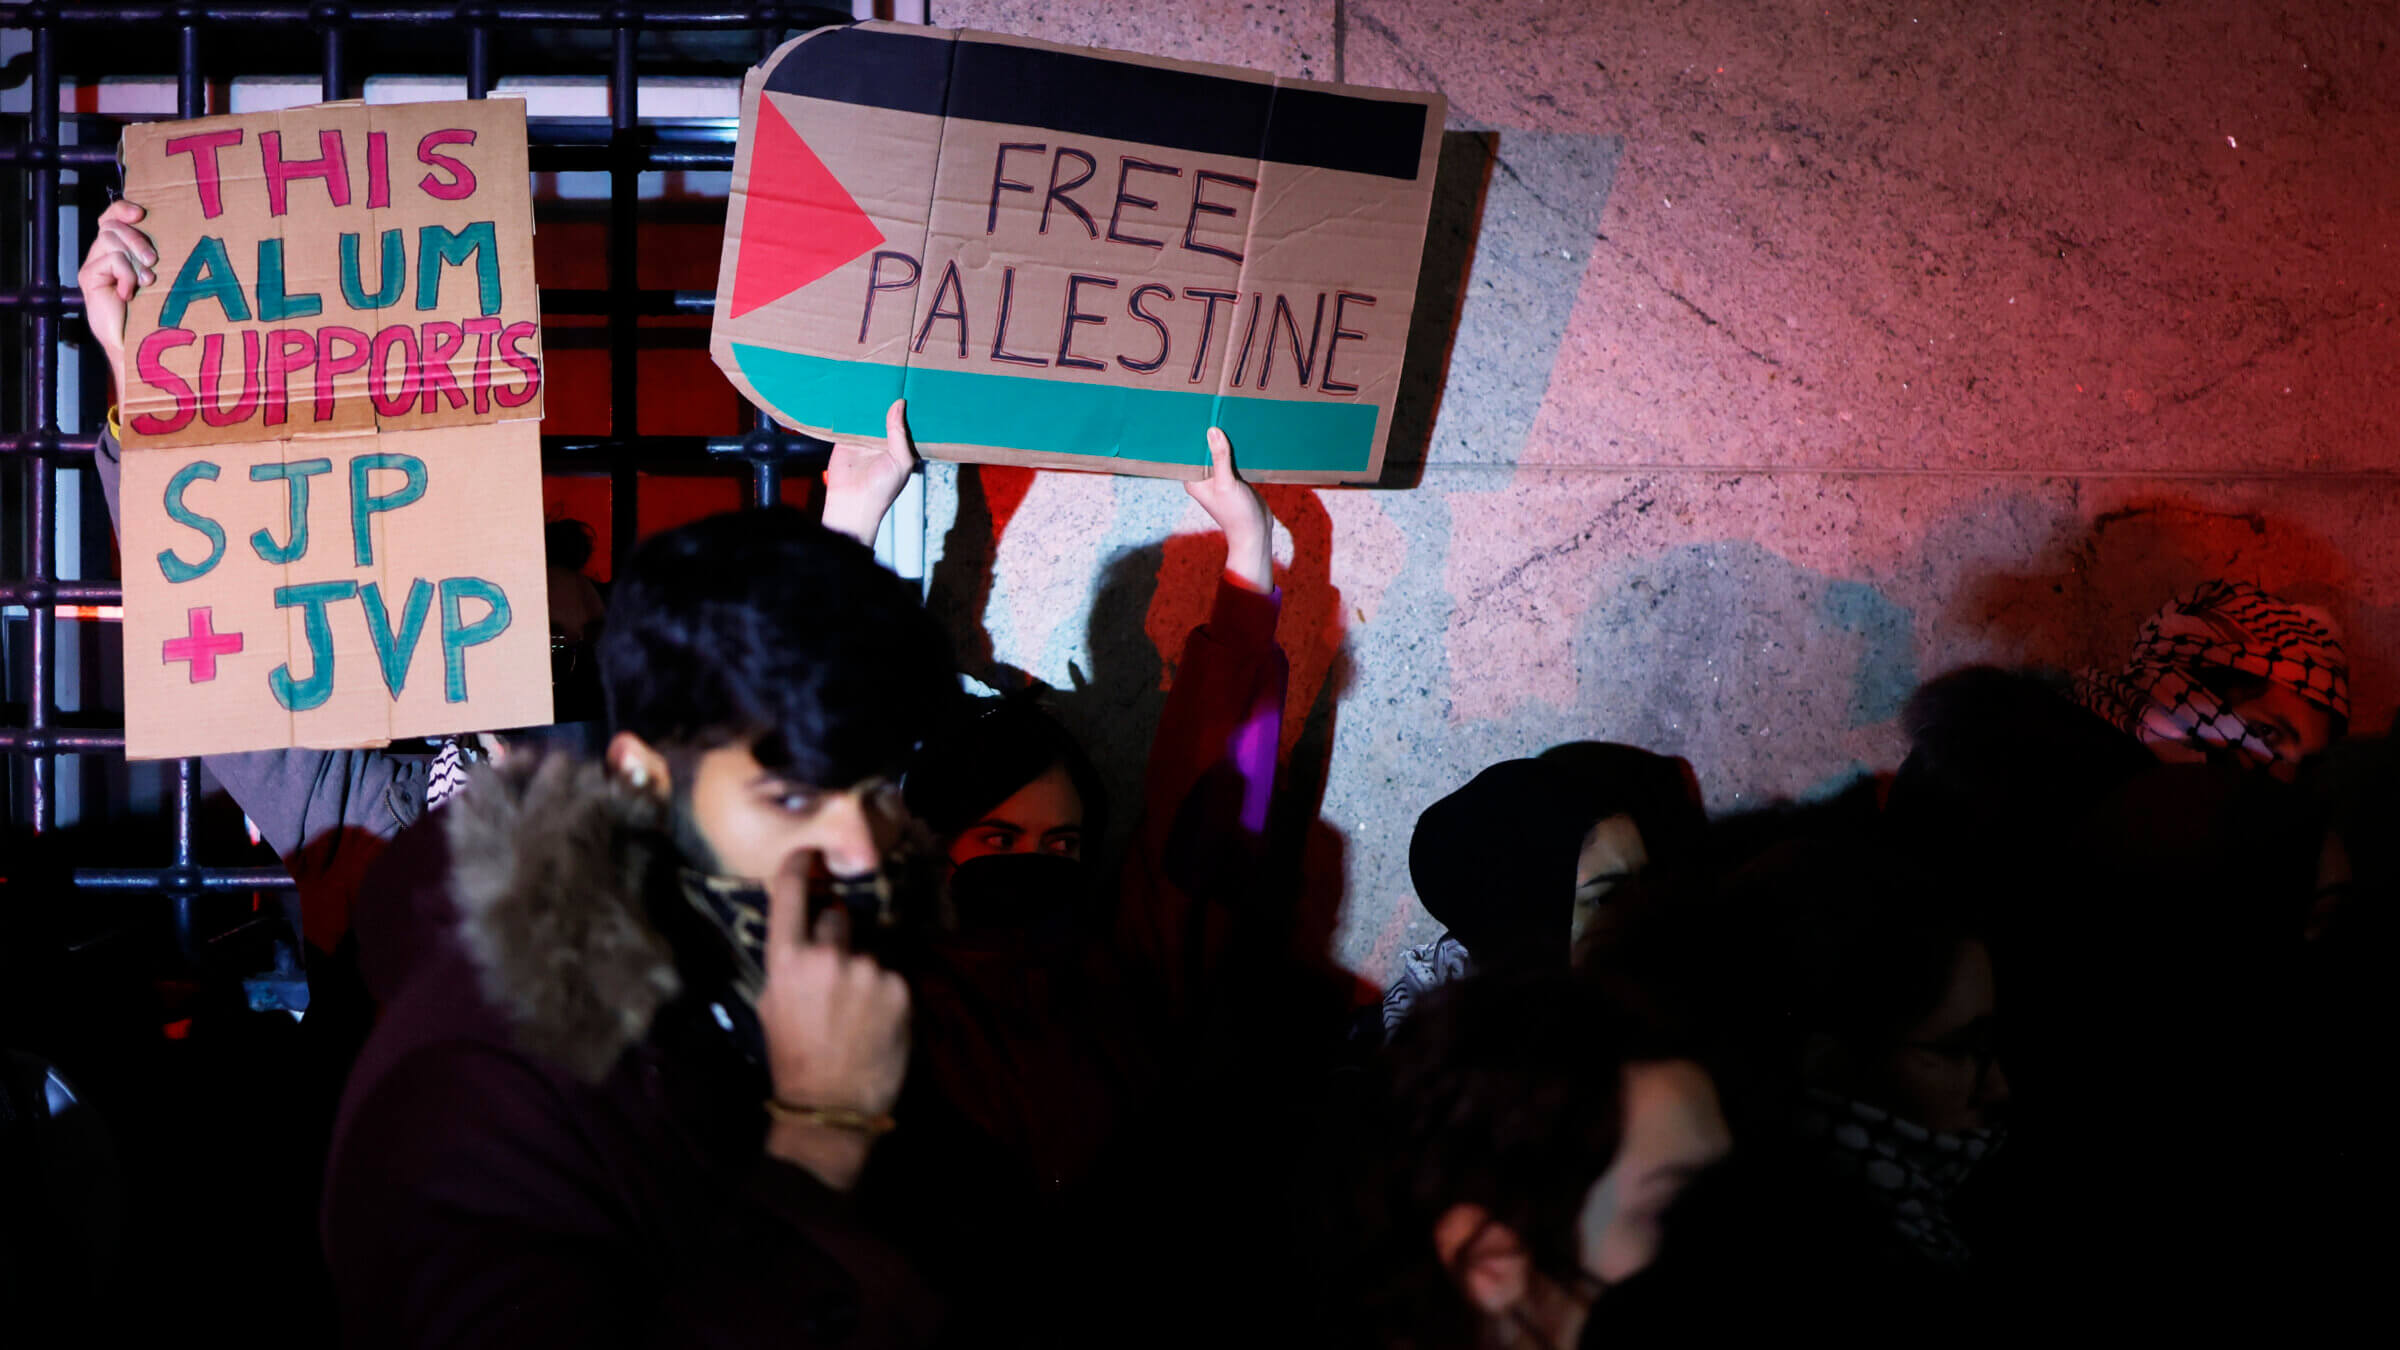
[[64, 301], [659, 453], [624, 261], [47, 443], [663, 14], [334, 82], [191, 93], [45, 593], [41, 417], [548, 154], [479, 61], [169, 878], [65, 742]]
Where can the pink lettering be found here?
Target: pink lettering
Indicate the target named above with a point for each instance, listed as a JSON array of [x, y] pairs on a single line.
[[153, 372], [328, 165], [462, 178]]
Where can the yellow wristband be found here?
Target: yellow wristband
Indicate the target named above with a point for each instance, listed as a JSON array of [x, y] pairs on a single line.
[[832, 1117]]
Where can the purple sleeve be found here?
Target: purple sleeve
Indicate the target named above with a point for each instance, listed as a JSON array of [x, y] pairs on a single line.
[[1209, 785]]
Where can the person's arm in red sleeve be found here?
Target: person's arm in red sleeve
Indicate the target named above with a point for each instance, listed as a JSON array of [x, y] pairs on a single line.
[[1211, 771]]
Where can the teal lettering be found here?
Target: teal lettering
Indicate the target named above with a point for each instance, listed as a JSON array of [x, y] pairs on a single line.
[[437, 245], [302, 695], [175, 569], [457, 636], [295, 475], [395, 649], [364, 504], [390, 280], [206, 275], [273, 305]]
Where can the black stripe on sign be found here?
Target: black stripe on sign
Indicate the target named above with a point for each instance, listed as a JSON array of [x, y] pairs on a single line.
[[1094, 96], [874, 70]]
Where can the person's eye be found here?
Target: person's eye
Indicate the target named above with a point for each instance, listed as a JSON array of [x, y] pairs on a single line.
[[1068, 846], [795, 802], [996, 840]]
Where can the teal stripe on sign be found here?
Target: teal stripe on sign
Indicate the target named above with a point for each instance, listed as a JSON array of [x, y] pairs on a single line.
[[1161, 426]]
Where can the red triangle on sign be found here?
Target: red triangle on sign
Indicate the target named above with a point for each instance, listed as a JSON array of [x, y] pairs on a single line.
[[799, 222]]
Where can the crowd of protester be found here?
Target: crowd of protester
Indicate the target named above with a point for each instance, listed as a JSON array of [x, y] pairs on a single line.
[[803, 1008]]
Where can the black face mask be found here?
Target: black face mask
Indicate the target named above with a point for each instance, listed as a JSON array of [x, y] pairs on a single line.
[[1028, 894]]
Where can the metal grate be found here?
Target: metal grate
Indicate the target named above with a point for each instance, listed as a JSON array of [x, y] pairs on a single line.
[[41, 312]]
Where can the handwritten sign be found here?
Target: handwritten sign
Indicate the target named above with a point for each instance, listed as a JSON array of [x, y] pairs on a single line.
[[1073, 258], [338, 268], [331, 499]]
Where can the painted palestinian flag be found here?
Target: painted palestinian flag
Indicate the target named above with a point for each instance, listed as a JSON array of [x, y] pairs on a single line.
[[1073, 258]]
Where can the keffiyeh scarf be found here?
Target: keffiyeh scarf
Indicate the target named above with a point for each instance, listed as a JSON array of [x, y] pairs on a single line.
[[1908, 1171], [1422, 969], [2161, 699], [447, 776]]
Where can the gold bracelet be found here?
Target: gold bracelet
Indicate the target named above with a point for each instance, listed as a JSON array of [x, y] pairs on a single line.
[[833, 1117]]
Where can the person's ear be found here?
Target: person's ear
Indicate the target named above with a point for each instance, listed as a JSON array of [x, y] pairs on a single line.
[[638, 765], [1484, 1256]]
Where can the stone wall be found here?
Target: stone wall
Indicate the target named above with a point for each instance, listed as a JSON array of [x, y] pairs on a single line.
[[1797, 352]]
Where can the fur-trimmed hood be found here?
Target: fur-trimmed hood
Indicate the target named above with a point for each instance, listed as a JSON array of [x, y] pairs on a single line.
[[552, 859]]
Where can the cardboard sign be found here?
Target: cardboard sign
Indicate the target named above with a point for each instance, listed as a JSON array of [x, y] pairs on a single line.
[[1073, 258], [338, 592], [332, 496], [333, 269]]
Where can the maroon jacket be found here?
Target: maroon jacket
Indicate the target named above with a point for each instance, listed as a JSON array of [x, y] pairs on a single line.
[[548, 1140]]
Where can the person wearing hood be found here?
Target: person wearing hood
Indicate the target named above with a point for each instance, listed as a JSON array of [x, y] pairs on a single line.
[[627, 1072], [1517, 864]]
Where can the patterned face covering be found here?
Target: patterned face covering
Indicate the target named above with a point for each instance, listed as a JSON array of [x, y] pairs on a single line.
[[737, 908], [2162, 698], [1910, 1172]]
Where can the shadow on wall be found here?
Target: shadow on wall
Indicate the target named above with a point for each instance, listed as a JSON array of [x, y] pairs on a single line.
[[1766, 675], [1315, 636], [1460, 183], [2087, 592], [1148, 601], [961, 585]]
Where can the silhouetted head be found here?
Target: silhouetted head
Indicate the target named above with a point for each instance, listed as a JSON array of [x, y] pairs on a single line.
[[1518, 861], [1539, 1132]]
